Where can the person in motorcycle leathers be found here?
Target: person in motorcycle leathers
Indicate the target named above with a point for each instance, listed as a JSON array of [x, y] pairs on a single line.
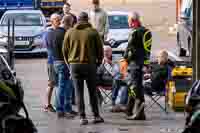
[[137, 54]]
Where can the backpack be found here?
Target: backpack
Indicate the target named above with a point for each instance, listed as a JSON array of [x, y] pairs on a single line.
[[104, 75]]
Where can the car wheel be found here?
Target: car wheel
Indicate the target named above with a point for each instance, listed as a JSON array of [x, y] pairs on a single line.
[[181, 52]]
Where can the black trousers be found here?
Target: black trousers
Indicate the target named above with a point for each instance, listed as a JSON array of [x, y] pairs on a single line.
[[136, 77], [81, 73]]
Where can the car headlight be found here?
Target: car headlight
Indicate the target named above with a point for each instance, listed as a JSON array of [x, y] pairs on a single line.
[[38, 37], [3, 50], [3, 39], [37, 40], [123, 45], [111, 42]]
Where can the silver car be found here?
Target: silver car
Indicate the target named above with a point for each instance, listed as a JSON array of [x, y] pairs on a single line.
[[29, 28], [118, 29]]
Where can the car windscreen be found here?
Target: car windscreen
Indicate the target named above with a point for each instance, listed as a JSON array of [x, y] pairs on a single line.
[[23, 19], [118, 21]]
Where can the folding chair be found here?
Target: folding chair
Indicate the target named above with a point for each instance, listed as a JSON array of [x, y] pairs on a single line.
[[156, 97], [106, 92]]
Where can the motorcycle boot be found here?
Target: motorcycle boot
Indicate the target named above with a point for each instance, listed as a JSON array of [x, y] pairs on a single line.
[[138, 111]]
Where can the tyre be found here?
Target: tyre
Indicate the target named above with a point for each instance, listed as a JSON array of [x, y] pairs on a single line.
[[181, 52]]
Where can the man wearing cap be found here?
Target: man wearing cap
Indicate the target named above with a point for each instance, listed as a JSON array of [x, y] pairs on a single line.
[[83, 50], [136, 55], [99, 19]]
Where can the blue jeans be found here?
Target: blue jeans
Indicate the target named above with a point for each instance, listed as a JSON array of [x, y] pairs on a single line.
[[116, 88], [64, 91]]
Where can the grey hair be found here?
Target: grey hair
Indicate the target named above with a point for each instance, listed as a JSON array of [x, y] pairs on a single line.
[[55, 15], [134, 16]]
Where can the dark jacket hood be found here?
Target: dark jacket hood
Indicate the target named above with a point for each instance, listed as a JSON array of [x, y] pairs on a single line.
[[82, 25]]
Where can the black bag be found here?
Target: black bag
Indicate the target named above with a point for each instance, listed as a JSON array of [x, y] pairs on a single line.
[[103, 76]]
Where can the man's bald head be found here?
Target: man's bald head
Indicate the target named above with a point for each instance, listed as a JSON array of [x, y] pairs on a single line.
[[67, 21]]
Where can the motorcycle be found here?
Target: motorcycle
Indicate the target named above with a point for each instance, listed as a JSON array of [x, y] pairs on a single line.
[[192, 109], [11, 101]]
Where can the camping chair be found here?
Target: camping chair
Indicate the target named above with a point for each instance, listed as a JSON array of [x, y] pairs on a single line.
[[156, 97], [106, 93]]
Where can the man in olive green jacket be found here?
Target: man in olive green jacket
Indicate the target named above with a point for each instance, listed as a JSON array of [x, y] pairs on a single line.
[[83, 50]]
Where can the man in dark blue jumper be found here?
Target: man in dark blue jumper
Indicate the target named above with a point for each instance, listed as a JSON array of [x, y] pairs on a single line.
[[55, 36]]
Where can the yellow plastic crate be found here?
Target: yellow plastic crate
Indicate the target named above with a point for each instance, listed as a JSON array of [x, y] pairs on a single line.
[[181, 71], [178, 87], [176, 100]]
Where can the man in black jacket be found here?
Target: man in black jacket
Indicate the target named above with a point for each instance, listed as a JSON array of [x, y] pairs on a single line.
[[135, 55]]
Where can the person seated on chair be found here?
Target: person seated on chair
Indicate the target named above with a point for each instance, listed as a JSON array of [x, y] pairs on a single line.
[[105, 72], [119, 88], [155, 81]]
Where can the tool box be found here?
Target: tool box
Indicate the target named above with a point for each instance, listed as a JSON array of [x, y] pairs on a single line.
[[178, 85]]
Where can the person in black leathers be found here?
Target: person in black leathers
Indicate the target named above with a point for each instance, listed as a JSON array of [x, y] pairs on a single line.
[[135, 54]]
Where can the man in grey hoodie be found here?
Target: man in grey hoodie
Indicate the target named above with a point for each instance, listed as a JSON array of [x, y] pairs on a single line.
[[99, 19]]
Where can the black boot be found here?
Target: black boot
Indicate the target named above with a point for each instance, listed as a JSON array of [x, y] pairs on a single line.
[[138, 111], [130, 105], [141, 116]]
